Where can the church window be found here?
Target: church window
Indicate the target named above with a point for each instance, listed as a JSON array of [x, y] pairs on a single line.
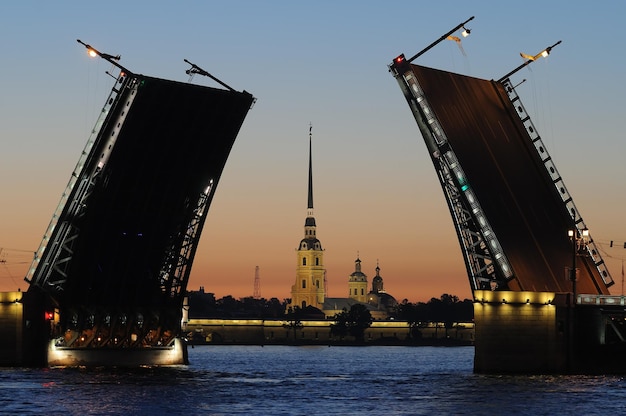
[[317, 284], [304, 284], [355, 292], [317, 261], [303, 304], [304, 261], [362, 293]]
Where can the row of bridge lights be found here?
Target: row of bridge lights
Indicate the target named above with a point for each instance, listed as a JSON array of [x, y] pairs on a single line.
[[506, 302]]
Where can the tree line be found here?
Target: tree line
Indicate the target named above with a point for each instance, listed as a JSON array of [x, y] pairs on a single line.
[[205, 305], [447, 309]]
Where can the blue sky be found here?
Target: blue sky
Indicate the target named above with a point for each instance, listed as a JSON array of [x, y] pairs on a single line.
[[323, 63]]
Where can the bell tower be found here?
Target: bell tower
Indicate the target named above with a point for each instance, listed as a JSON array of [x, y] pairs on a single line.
[[308, 289], [357, 283]]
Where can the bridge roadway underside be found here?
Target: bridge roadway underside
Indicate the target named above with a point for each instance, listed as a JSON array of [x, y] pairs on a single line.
[[510, 180], [174, 140]]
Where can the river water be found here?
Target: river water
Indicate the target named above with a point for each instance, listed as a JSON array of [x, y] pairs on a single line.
[[284, 380]]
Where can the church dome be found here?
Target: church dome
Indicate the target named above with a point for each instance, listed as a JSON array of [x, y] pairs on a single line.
[[310, 244], [382, 301], [358, 277]]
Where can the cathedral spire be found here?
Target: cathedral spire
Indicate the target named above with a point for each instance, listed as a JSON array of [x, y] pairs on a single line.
[[310, 202], [309, 222], [309, 287]]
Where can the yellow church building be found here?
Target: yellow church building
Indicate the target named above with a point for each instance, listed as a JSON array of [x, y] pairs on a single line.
[[309, 289]]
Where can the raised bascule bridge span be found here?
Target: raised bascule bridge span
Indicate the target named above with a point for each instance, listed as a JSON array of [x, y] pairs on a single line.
[[523, 241], [113, 266], [510, 207]]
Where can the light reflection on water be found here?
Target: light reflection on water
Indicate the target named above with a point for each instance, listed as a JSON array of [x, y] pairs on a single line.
[[225, 380]]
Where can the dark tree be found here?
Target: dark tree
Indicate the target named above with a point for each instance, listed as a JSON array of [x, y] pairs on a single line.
[[359, 319], [201, 304], [204, 305], [340, 327], [415, 314], [447, 309], [274, 308], [294, 321], [228, 306], [353, 322]]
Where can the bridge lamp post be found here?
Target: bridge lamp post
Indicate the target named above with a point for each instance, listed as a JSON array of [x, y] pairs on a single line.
[[465, 34], [530, 58], [93, 52], [578, 241]]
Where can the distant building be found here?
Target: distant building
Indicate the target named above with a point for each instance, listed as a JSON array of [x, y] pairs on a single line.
[[379, 303], [378, 297], [309, 288], [357, 284]]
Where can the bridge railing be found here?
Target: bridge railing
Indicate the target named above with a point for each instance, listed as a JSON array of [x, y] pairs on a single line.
[[608, 300], [557, 180]]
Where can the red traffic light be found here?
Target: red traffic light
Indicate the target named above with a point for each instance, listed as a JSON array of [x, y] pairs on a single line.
[[49, 316]]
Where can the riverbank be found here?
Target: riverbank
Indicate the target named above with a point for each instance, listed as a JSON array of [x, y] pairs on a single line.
[[317, 332]]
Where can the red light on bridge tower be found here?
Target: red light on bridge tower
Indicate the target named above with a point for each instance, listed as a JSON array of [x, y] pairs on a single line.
[[398, 63]]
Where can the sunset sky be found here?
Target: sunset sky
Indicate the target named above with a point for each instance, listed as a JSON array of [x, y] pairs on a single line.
[[325, 63]]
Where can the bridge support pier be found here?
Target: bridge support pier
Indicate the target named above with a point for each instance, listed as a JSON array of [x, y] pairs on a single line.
[[26, 333], [519, 332], [545, 333]]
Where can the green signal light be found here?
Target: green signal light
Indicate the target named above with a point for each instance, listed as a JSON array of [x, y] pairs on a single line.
[[464, 188]]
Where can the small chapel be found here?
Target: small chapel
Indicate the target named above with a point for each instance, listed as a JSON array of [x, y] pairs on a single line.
[[309, 289]]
